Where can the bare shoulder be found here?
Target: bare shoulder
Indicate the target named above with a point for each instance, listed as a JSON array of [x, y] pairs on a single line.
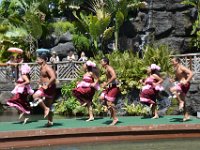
[[155, 75], [49, 68], [183, 68], [110, 68]]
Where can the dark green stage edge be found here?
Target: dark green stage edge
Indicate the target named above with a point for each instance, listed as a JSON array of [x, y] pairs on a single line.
[[98, 122]]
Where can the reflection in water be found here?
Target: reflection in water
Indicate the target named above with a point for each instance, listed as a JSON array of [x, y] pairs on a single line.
[[172, 144], [9, 115]]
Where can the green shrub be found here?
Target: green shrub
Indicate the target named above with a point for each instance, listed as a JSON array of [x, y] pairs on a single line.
[[81, 42], [69, 105], [130, 69], [135, 110], [61, 27], [171, 110]]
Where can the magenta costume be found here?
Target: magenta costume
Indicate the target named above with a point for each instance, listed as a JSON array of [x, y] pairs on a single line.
[[84, 92], [183, 88], [110, 93], [19, 100], [48, 93], [149, 92]]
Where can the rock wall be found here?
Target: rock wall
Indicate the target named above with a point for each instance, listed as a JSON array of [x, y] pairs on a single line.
[[163, 22], [192, 98]]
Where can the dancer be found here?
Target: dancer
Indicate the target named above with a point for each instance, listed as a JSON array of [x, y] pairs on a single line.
[[150, 89], [85, 89], [47, 88], [183, 75], [111, 90], [21, 92]]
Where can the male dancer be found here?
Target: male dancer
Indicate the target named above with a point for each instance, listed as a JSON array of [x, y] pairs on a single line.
[[183, 75], [47, 88], [110, 93]]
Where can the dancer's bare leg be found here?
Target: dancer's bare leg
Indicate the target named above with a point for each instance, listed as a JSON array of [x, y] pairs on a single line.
[[49, 103], [186, 115], [113, 113], [181, 102], [91, 116], [44, 107], [154, 112]]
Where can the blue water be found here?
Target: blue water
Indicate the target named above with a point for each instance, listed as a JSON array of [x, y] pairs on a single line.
[[172, 144]]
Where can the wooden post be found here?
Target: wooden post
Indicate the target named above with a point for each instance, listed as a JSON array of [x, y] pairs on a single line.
[[16, 73], [190, 62]]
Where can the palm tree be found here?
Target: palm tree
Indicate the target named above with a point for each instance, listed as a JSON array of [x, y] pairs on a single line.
[[22, 19], [119, 10]]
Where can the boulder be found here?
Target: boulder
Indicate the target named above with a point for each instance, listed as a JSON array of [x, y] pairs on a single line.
[[159, 4], [62, 49], [175, 5], [66, 37], [182, 23], [163, 23], [174, 43]]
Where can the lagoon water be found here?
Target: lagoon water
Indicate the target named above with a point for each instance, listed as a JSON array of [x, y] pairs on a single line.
[[170, 144]]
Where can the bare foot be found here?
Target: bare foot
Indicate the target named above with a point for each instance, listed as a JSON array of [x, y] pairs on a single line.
[[114, 122], [49, 124], [186, 118], [90, 119], [46, 112], [155, 117], [25, 120]]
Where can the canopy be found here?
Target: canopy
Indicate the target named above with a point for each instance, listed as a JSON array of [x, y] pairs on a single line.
[[15, 50], [41, 50]]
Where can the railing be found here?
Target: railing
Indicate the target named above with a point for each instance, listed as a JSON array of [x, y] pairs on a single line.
[[192, 61], [69, 70], [65, 71]]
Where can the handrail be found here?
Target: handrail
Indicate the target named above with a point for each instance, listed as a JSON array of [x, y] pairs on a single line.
[[69, 70], [65, 71]]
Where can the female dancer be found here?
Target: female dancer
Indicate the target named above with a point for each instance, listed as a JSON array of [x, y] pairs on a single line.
[[85, 89], [21, 91], [150, 89]]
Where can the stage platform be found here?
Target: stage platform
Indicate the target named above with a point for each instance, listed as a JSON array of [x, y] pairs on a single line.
[[77, 130]]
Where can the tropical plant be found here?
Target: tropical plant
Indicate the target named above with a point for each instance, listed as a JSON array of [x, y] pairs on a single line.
[[130, 68], [119, 10], [98, 108], [61, 27], [69, 103], [135, 109], [94, 26], [59, 7], [22, 19], [196, 25], [81, 42], [159, 55]]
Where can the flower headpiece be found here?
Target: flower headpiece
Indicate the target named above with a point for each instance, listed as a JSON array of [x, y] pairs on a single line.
[[154, 67], [90, 63], [25, 69]]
